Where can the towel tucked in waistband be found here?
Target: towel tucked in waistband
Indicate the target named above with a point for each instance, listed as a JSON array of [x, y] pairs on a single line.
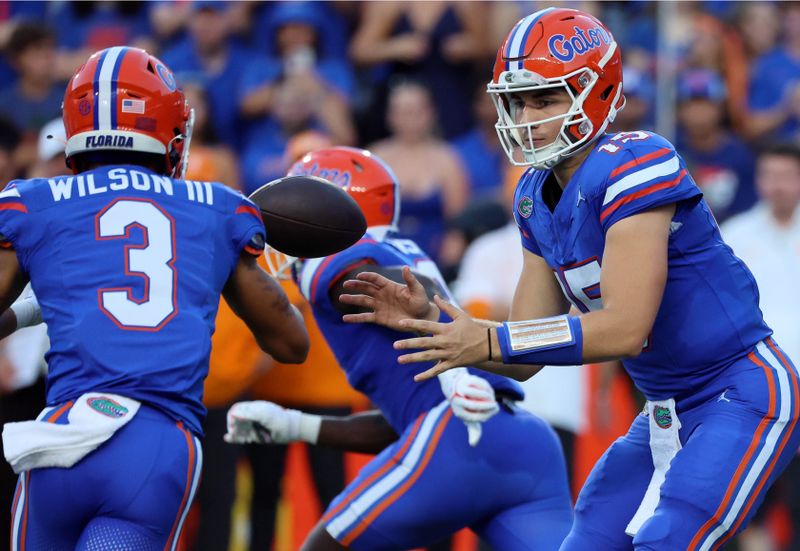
[[664, 444], [92, 420]]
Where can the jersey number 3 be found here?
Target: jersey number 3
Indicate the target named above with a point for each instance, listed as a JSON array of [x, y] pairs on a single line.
[[151, 260]]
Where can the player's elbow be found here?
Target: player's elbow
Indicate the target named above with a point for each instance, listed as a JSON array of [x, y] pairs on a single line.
[[631, 345], [290, 348]]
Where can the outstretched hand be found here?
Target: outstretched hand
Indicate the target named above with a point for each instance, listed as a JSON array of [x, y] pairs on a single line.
[[389, 302], [458, 343]]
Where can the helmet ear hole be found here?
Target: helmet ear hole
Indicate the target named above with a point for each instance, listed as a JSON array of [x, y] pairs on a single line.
[[607, 92]]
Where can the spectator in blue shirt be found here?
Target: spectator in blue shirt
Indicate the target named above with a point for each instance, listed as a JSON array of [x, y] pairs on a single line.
[[722, 165], [480, 152], [297, 89], [208, 50], [97, 25], [774, 90], [268, 16]]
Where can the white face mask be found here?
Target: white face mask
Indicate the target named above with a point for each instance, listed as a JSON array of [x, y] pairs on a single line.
[[516, 138]]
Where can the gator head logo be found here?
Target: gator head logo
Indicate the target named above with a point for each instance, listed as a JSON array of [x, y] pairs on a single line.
[[107, 406], [662, 416], [525, 206]]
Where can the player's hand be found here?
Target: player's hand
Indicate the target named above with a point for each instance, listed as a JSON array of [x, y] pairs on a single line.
[[262, 422], [455, 344], [389, 302], [472, 398]]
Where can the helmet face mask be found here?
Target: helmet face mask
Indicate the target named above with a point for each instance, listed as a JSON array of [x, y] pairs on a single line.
[[561, 49], [279, 265]]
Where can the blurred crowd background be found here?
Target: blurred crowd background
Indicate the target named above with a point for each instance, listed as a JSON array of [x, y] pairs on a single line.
[[271, 81]]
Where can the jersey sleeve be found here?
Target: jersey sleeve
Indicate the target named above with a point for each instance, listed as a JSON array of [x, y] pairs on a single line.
[[523, 205], [13, 216], [645, 176], [319, 275], [247, 231]]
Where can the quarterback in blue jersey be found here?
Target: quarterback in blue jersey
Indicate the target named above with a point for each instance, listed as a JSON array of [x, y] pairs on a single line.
[[421, 488], [128, 262], [615, 226]]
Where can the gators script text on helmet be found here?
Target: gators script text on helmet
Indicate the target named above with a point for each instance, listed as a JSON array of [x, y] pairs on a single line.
[[126, 99], [364, 176], [551, 49]]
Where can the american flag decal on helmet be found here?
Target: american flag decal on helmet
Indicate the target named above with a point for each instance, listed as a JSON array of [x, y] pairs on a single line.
[[133, 106]]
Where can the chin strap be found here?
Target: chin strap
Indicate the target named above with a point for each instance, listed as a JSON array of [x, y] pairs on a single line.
[[187, 141]]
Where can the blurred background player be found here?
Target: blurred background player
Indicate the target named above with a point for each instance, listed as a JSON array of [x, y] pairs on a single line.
[[420, 488], [671, 301], [129, 338]]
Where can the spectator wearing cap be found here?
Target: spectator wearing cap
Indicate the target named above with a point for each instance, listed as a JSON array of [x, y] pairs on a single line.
[[50, 147], [639, 99], [721, 163], [210, 51]]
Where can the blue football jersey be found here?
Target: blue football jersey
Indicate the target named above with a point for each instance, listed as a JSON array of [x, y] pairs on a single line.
[[366, 352], [709, 315], [128, 267]]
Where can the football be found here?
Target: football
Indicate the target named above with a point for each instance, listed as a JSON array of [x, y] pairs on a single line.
[[308, 217]]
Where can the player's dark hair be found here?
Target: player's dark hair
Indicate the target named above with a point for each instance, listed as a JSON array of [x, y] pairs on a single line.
[[781, 149], [10, 135], [93, 159], [27, 34]]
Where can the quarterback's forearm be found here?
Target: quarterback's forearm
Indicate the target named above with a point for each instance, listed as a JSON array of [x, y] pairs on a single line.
[[610, 335], [367, 432], [567, 340]]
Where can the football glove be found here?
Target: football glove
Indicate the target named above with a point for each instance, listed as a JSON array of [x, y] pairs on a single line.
[[262, 422]]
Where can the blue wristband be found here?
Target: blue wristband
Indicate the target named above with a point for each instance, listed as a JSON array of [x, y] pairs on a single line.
[[565, 349]]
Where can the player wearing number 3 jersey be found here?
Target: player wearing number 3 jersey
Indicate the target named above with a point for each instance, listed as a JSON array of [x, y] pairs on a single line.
[[615, 225], [128, 262]]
